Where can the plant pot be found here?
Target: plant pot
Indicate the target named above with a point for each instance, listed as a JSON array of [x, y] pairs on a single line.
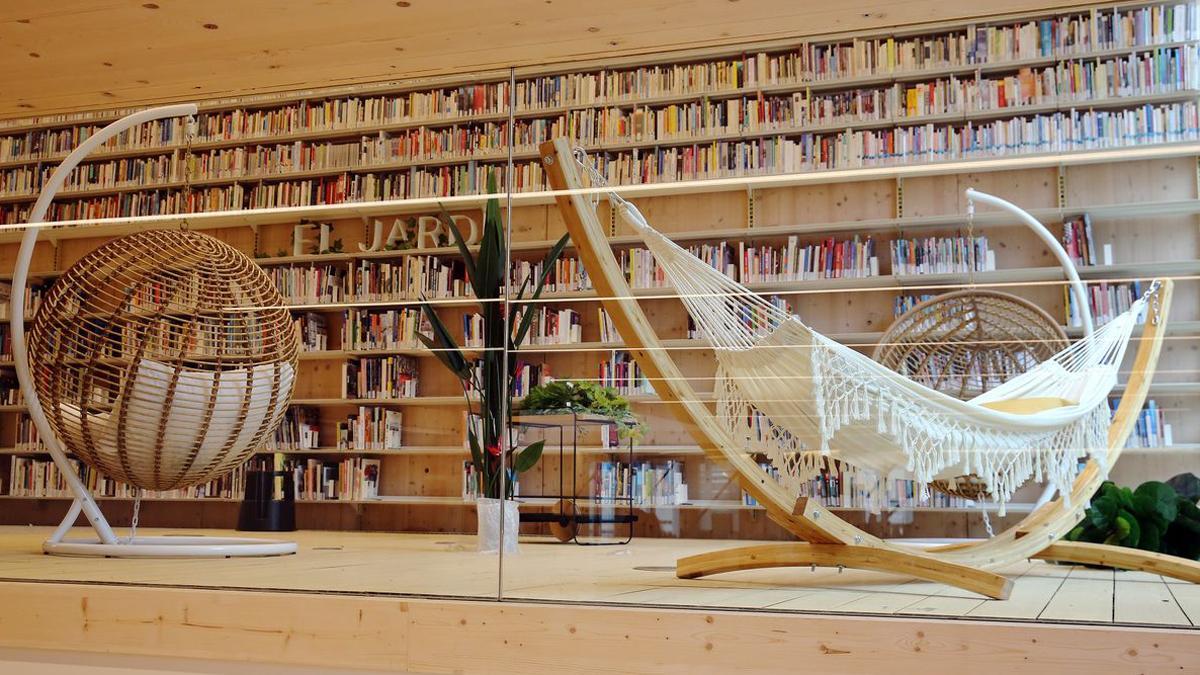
[[488, 513]]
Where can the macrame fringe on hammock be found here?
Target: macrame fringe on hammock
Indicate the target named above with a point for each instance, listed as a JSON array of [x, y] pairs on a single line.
[[789, 393]]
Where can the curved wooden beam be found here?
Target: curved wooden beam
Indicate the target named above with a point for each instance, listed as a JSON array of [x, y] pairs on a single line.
[[1054, 519], [806, 519], [1123, 558], [873, 558], [643, 344]]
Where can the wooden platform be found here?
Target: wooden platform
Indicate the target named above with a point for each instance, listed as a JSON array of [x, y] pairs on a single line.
[[442, 573]]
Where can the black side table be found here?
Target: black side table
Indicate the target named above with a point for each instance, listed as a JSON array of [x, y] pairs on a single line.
[[567, 520]]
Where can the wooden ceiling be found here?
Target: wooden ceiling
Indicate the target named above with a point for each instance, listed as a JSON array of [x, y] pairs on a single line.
[[63, 55]]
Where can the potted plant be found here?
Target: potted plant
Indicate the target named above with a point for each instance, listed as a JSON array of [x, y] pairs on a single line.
[[579, 397], [491, 377]]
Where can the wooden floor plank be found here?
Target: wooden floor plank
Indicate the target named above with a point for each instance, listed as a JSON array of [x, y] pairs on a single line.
[[1188, 597], [942, 605], [641, 573], [890, 600], [1146, 602], [746, 598], [1085, 595]]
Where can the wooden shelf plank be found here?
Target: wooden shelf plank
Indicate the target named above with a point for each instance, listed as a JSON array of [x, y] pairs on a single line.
[[241, 217], [541, 502]]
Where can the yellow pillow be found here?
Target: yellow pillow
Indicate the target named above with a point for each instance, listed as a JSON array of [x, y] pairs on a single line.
[[1028, 406]]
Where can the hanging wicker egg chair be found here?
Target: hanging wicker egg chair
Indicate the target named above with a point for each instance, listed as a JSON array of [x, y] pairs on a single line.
[[963, 344], [163, 359]]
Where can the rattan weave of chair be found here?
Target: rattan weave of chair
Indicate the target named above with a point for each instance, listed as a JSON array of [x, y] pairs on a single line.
[[164, 358], [966, 342]]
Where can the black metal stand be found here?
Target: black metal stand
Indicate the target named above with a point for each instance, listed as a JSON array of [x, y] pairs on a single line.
[[574, 519], [260, 511]]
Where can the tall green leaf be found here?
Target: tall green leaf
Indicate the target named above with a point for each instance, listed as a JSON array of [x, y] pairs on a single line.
[[443, 346], [477, 457], [549, 261], [527, 458], [489, 265]]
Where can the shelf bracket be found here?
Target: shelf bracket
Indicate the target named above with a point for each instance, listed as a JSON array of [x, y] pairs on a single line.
[[257, 238], [899, 196], [612, 221], [750, 221], [1062, 187]]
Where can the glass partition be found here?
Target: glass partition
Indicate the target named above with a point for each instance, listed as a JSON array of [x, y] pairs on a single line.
[[769, 248], [347, 199], [716, 328]]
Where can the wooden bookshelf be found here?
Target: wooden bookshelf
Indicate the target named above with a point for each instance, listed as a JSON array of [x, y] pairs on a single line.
[[528, 151], [1143, 200], [982, 51]]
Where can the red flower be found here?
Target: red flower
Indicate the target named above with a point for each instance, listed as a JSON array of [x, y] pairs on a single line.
[[494, 450]]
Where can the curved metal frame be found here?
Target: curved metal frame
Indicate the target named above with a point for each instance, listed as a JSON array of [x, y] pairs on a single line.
[[107, 544]]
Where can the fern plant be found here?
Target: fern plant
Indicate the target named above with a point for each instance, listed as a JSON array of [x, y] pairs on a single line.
[[589, 397]]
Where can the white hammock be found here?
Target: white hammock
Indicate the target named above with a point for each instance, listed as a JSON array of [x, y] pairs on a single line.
[[792, 394]]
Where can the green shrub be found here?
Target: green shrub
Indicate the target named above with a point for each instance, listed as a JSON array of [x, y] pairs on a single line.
[[1153, 518]]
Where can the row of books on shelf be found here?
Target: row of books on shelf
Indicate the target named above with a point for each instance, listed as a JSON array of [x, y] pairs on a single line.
[[828, 259], [1151, 429], [1057, 132], [1106, 300], [1160, 72], [834, 488], [364, 329], [469, 178], [371, 428], [300, 429], [641, 483], [34, 293], [904, 302], [568, 275], [785, 153], [380, 377], [472, 483], [1065, 36], [624, 374], [1079, 241], [529, 375], [10, 390], [608, 332], [314, 332], [758, 318], [33, 477], [349, 479], [548, 326], [411, 278], [942, 255]]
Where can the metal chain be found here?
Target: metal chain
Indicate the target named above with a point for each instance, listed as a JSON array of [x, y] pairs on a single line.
[[596, 179], [971, 261], [137, 508]]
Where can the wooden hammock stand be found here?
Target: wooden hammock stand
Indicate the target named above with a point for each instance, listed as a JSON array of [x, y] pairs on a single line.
[[827, 539]]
